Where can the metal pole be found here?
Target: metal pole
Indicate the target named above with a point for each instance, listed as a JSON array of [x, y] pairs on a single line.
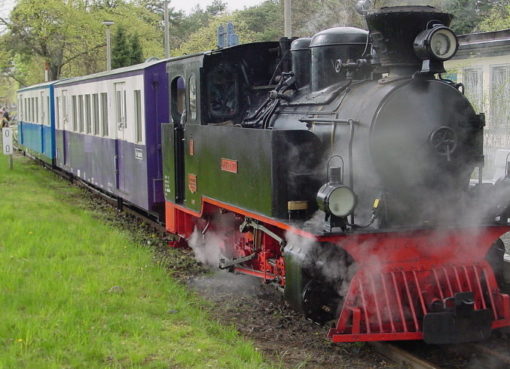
[[10, 161], [108, 49], [287, 18], [167, 35], [108, 23]]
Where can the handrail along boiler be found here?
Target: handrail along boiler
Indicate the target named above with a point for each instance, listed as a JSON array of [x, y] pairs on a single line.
[[338, 167]]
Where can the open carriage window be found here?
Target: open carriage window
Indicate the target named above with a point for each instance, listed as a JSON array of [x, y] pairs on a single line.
[[178, 96], [223, 92]]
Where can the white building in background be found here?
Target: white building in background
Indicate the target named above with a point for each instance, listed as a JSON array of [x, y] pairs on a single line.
[[482, 64]]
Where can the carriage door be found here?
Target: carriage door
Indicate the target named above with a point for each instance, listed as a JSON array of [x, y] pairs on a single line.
[[177, 108], [65, 126], [120, 142]]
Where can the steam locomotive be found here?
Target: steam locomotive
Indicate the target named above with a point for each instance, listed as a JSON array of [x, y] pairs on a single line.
[[343, 178], [335, 167]]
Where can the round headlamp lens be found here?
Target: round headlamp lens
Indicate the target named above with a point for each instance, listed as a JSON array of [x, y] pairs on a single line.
[[341, 201], [443, 44]]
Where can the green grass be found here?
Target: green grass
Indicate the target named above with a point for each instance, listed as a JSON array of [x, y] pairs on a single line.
[[76, 293]]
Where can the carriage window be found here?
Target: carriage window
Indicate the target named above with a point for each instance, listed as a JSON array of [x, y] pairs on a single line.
[[57, 112], [95, 113], [36, 116], [138, 116], [120, 105], [80, 113], [192, 84], [104, 113], [43, 112], [222, 92], [20, 106], [75, 114], [88, 118], [65, 117], [48, 110], [178, 93]]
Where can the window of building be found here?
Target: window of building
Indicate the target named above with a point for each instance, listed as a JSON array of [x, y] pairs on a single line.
[[500, 95], [104, 113], [473, 87], [95, 113], [88, 117], [138, 116]]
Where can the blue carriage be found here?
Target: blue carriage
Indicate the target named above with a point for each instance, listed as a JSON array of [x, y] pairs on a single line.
[[36, 116]]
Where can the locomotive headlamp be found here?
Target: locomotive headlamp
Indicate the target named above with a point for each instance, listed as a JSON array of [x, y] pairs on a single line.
[[338, 200], [437, 43], [335, 198]]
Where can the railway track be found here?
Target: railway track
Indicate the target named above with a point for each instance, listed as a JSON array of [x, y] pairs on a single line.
[[402, 357]]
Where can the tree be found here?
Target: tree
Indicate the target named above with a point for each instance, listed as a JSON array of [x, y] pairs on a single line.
[[68, 35], [121, 51], [470, 14], [217, 7], [136, 49], [498, 18]]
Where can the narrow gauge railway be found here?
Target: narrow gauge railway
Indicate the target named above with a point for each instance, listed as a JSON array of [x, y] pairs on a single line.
[[336, 167]]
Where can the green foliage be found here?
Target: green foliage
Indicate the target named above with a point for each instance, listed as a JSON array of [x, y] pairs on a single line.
[[126, 50], [497, 18], [205, 38], [265, 21], [69, 35], [469, 15], [135, 49], [121, 51]]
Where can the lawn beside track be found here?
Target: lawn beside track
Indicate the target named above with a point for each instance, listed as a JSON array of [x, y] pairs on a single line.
[[75, 293]]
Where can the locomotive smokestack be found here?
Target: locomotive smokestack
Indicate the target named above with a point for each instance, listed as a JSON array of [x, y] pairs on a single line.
[[394, 30]]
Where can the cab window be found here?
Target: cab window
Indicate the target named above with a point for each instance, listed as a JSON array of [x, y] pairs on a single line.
[[222, 92], [178, 96]]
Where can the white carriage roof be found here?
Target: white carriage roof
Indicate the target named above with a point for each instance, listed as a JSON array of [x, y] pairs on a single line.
[[105, 74], [38, 86]]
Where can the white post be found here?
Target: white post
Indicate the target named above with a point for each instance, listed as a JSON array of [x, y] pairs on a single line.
[[7, 144], [167, 29], [287, 18]]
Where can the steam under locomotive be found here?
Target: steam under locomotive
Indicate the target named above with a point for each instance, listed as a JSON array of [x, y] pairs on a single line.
[[338, 167]]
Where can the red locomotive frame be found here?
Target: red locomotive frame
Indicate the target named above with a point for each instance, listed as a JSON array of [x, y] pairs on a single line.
[[387, 299]]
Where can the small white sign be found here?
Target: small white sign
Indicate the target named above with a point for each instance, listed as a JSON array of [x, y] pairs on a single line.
[[138, 154], [7, 140]]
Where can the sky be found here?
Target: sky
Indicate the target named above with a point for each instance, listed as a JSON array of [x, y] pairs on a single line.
[[187, 5]]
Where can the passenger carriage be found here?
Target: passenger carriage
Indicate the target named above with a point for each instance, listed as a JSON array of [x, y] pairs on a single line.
[[36, 128], [108, 131]]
